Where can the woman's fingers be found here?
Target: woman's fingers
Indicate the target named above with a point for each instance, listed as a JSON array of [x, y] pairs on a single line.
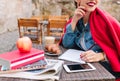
[[89, 59], [89, 56], [80, 11]]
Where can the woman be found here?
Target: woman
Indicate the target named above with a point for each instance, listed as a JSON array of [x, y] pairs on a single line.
[[95, 32], [78, 33]]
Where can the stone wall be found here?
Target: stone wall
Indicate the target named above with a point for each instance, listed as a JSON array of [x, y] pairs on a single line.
[[58, 7], [53, 7], [10, 10], [112, 7]]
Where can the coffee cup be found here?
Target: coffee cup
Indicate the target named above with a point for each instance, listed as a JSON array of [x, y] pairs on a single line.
[[49, 40]]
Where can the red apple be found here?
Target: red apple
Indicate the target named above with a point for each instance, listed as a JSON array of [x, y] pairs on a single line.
[[24, 44]]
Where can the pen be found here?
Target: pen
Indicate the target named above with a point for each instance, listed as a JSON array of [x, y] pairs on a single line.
[[92, 46]]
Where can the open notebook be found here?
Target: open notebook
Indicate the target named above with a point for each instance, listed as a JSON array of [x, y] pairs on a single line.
[[72, 55]]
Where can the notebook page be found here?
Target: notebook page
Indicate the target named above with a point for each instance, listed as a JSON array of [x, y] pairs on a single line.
[[72, 55]]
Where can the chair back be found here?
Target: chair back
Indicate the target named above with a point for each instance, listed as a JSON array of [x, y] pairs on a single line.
[[56, 28], [60, 23], [27, 22], [29, 27]]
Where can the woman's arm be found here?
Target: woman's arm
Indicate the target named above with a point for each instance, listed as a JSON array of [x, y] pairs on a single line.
[[68, 40]]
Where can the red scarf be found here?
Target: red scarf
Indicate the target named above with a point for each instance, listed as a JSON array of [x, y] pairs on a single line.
[[106, 33]]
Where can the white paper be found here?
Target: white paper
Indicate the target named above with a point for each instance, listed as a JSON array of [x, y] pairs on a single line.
[[72, 55]]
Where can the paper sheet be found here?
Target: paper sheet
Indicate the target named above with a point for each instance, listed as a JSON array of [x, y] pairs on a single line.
[[72, 55]]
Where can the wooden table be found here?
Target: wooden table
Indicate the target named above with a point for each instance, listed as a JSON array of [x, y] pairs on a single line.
[[100, 74]]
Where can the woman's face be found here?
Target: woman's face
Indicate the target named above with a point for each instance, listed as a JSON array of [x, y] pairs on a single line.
[[90, 5]]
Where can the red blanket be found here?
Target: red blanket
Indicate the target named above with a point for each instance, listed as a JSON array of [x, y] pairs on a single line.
[[106, 33]]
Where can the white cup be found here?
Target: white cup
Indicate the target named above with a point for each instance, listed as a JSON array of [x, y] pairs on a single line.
[[49, 40]]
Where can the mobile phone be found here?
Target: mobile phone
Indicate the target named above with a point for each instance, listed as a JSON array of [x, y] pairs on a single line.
[[78, 67]]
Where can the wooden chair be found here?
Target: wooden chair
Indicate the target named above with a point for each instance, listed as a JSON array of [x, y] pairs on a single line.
[[56, 28], [56, 17], [29, 27]]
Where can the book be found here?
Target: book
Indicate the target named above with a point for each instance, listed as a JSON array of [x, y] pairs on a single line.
[[41, 64], [51, 72], [72, 55], [16, 59]]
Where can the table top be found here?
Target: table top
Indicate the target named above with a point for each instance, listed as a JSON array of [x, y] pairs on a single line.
[[100, 74]]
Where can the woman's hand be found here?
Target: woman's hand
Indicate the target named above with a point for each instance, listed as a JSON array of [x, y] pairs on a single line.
[[54, 48], [91, 56], [79, 13]]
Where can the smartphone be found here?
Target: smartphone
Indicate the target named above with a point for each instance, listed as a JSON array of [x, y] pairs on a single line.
[[78, 67]]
